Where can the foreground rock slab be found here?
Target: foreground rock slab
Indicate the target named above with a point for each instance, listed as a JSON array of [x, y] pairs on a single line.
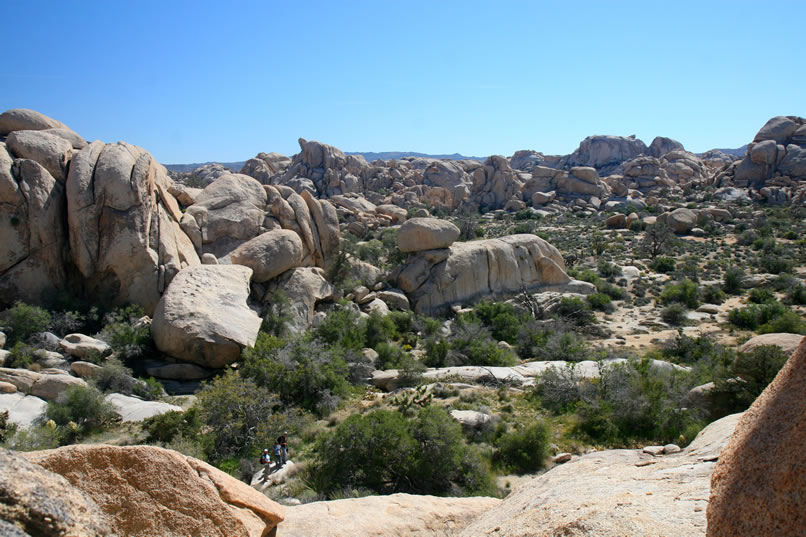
[[382, 516], [759, 486], [34, 501], [203, 317], [618, 493], [150, 491]]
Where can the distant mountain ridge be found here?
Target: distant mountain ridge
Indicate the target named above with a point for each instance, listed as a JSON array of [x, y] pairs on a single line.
[[389, 155]]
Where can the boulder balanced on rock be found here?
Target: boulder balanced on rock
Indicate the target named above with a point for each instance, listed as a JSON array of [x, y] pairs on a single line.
[[203, 317], [420, 234]]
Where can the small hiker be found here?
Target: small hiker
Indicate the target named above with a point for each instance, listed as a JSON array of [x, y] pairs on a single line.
[[283, 441], [265, 460], [278, 454]]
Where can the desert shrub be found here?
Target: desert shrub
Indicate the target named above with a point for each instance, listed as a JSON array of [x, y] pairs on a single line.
[[385, 452], [565, 345], [636, 226], [378, 329], [277, 316], [525, 450], [301, 372], [774, 263], [689, 350], [575, 310], [685, 292], [712, 294], [674, 314], [472, 344], [761, 295], [126, 335], [755, 315], [67, 322], [734, 281], [500, 318], [436, 352], [738, 385], [588, 275], [164, 428], [788, 322], [632, 401], [20, 356], [390, 355], [557, 389], [613, 291], [230, 409], [114, 377], [797, 295], [532, 338], [21, 321], [85, 407], [601, 302], [342, 327], [608, 270]]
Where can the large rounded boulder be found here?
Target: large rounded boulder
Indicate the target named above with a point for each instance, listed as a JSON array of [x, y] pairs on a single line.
[[203, 316], [270, 254], [420, 234], [146, 490]]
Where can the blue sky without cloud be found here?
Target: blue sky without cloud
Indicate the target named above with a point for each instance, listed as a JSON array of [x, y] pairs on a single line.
[[195, 81]]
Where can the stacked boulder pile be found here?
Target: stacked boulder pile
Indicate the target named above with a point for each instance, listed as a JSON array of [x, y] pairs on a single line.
[[440, 273], [775, 163]]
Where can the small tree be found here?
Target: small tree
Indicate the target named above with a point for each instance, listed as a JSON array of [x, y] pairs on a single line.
[[657, 239]]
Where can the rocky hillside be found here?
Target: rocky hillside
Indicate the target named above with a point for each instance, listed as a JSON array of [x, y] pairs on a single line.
[[425, 329]]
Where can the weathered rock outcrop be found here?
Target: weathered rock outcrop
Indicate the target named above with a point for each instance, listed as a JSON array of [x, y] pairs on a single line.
[[662, 145], [19, 119], [125, 237], [33, 251], [35, 501], [606, 153], [227, 213], [622, 492], [758, 487], [776, 160], [203, 316], [467, 272], [304, 288], [150, 491], [384, 516], [51, 151]]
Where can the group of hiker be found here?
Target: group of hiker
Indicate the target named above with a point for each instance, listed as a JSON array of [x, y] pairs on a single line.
[[280, 454]]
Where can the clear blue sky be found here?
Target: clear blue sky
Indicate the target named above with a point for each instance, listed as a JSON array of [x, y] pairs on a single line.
[[195, 81]]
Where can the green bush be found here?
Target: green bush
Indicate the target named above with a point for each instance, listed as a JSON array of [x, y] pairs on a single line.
[[472, 345], [754, 371], [20, 356], [525, 450], [760, 295], [557, 389], [575, 310], [22, 321], [164, 428], [436, 352], [674, 314], [500, 318], [755, 315], [734, 281], [277, 316], [301, 372], [789, 322], [601, 302], [797, 295], [231, 409], [685, 292], [613, 291], [608, 270], [386, 453], [713, 295], [342, 327], [379, 329], [83, 406], [114, 377], [127, 336], [390, 355]]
